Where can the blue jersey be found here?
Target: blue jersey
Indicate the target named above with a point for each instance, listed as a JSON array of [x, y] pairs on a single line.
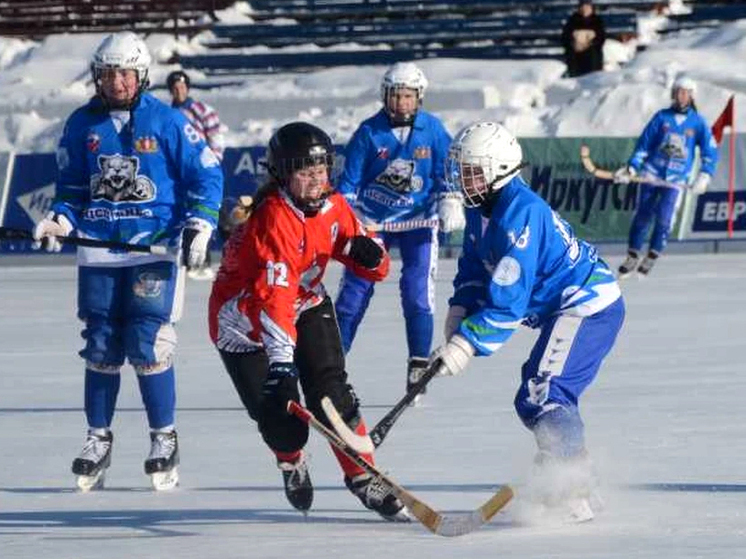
[[523, 264], [388, 180], [134, 176], [666, 147]]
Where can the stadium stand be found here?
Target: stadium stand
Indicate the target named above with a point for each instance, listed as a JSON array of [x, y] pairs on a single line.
[[38, 18]]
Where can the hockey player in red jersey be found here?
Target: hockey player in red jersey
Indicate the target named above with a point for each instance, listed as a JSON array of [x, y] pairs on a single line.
[[272, 320]]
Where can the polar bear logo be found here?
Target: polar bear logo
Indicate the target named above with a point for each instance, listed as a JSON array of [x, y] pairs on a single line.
[[399, 176], [118, 180], [675, 146]]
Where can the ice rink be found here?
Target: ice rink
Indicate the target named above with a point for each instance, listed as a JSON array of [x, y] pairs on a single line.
[[665, 426]]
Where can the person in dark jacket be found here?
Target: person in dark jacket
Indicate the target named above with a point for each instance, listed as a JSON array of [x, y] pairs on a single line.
[[583, 39]]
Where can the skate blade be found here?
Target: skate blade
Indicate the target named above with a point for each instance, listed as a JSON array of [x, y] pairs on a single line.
[[164, 481], [91, 483], [579, 511]]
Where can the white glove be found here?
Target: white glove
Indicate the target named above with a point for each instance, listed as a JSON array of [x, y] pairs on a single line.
[[451, 212], [195, 239], [624, 175], [48, 229], [455, 355], [701, 183], [456, 314]]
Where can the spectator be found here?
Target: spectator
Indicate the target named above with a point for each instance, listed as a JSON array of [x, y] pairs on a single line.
[[583, 39], [206, 123]]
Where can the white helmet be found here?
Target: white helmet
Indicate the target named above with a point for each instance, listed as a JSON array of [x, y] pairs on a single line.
[[123, 50], [403, 75], [687, 83], [684, 82], [483, 158]]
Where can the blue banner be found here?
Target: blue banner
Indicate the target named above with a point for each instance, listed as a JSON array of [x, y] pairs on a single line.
[[31, 192], [244, 171], [711, 214]]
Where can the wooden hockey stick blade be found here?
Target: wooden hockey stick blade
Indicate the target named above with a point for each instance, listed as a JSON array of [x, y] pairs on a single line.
[[605, 174], [443, 524], [10, 233], [585, 159], [361, 443], [366, 443]]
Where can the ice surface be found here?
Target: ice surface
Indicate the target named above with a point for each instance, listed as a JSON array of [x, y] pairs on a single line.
[[664, 425]]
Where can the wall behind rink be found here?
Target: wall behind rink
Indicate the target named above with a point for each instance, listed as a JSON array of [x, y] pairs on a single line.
[[597, 209]]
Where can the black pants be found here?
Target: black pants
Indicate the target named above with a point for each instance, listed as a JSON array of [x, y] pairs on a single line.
[[321, 368]]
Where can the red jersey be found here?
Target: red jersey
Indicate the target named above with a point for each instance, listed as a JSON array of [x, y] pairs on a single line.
[[272, 270]]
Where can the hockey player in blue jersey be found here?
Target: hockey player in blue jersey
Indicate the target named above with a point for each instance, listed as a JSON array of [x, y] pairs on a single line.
[[665, 151], [131, 169], [522, 264], [393, 177]]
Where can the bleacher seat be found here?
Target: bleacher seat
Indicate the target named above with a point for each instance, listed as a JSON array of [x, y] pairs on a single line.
[[274, 62], [515, 28]]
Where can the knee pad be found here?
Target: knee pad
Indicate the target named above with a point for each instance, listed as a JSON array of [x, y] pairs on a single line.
[[150, 347], [103, 349], [282, 432], [104, 368]]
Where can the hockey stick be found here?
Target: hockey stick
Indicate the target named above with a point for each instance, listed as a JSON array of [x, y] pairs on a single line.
[[13, 234], [443, 524], [374, 439], [605, 174], [399, 226]]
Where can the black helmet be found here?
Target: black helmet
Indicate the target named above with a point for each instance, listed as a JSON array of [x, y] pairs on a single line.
[[178, 76], [295, 146]]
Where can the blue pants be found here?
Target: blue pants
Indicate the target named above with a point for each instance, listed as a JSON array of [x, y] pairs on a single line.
[[563, 362], [654, 202], [419, 254], [129, 312]]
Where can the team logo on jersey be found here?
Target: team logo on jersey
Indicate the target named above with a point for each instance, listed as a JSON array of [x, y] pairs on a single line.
[[118, 180], [93, 142], [383, 153], [422, 152], [146, 144], [507, 271], [674, 146], [149, 284], [399, 176]]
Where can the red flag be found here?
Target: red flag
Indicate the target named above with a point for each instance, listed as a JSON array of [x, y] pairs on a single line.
[[725, 119]]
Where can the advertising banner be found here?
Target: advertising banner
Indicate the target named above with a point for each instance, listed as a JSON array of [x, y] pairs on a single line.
[[709, 214], [30, 193], [598, 210]]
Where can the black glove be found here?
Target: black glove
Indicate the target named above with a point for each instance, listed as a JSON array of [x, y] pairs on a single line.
[[365, 251], [280, 386]]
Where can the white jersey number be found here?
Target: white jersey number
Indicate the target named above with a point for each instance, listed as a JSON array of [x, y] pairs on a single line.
[[277, 274], [573, 249]]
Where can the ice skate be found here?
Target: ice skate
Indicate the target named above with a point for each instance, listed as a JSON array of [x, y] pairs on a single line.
[[647, 264], [202, 274], [297, 480], [629, 265], [94, 460], [161, 464], [377, 496], [416, 367], [567, 488]]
